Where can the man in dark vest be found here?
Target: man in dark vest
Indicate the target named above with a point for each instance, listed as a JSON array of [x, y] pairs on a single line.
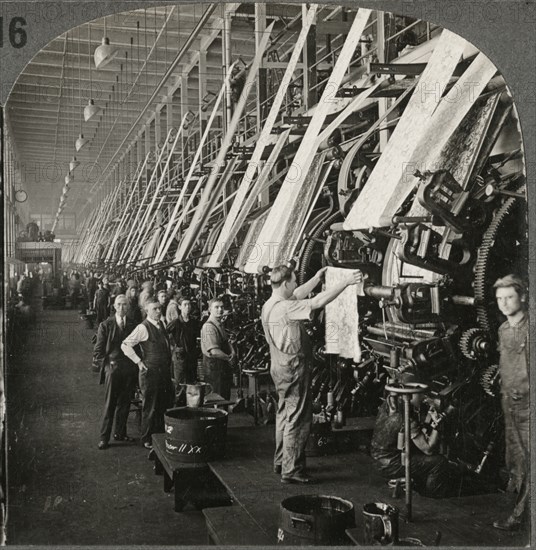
[[118, 373], [154, 370]]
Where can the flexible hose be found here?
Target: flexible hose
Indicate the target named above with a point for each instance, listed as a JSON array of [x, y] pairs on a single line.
[[308, 250]]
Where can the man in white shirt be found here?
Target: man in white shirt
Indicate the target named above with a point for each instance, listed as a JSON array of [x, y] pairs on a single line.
[[154, 370], [290, 351]]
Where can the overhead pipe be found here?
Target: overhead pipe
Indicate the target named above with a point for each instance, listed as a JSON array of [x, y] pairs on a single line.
[[137, 218], [124, 216], [173, 225], [227, 64], [170, 150]]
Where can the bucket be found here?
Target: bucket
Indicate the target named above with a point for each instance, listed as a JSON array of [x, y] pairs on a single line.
[[315, 519], [195, 435], [380, 522], [195, 393]]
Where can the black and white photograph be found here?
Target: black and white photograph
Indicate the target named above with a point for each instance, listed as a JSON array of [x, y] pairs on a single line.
[[267, 273]]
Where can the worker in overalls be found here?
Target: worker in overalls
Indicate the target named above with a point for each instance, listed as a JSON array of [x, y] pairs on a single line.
[[290, 350], [514, 372], [218, 354]]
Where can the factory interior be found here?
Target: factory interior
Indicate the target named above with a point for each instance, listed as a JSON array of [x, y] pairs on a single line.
[[357, 175]]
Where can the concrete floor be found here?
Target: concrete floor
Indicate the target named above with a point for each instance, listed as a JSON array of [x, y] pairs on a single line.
[[62, 489]]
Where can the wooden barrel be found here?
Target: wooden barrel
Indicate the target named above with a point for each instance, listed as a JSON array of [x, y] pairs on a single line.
[[315, 520], [195, 434]]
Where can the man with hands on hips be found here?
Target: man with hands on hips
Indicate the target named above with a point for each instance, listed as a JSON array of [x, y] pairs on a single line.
[[154, 369], [290, 351]]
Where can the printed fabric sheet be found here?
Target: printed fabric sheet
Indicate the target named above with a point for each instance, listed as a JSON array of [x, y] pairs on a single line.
[[342, 317]]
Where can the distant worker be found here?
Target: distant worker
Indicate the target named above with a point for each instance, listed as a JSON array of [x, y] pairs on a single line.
[[162, 298], [514, 372], [75, 286], [172, 311], [145, 294], [101, 302], [91, 285], [133, 307], [290, 350]]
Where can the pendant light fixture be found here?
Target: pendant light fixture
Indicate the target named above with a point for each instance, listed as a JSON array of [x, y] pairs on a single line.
[[74, 161], [90, 110], [105, 52], [73, 164], [81, 141]]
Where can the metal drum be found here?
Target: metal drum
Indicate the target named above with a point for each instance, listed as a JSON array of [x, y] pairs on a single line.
[[195, 434], [315, 520]]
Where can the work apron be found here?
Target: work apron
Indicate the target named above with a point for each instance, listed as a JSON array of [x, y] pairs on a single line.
[[291, 375], [218, 372]]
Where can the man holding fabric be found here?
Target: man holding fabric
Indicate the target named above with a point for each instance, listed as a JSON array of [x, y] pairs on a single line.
[[154, 370], [290, 350]]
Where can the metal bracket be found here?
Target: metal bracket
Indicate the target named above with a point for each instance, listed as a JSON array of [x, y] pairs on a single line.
[[298, 131], [297, 120], [349, 92], [396, 68]]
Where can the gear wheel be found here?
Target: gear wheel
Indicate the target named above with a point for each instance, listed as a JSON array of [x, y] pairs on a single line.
[[483, 277], [474, 343], [489, 380]]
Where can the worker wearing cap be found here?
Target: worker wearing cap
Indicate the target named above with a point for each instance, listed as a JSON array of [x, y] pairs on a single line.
[[290, 350]]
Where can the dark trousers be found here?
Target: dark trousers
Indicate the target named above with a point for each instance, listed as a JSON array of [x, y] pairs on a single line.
[[516, 411], [157, 396], [184, 368], [433, 474], [119, 386], [218, 374]]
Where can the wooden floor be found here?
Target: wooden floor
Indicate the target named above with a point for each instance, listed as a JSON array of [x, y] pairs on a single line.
[[247, 474]]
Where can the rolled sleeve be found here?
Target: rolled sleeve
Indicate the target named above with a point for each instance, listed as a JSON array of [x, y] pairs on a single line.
[[299, 310], [210, 338], [139, 334]]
